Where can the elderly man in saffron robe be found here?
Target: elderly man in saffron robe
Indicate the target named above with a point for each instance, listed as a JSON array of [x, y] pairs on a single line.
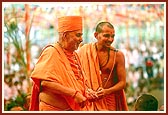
[[105, 68], [59, 83]]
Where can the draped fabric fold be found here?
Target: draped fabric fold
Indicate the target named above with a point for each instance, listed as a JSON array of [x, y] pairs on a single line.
[[90, 63], [54, 66]]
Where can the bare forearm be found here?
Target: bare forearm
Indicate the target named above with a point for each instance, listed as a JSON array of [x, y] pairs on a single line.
[[57, 88], [119, 86], [60, 89], [101, 92]]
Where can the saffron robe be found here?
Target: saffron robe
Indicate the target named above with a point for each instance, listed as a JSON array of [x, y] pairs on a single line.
[[90, 62], [53, 65]]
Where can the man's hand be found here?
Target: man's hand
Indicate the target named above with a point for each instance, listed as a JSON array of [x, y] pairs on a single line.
[[101, 92], [91, 95], [80, 99]]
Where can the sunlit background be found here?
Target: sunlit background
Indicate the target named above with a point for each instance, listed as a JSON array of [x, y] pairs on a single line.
[[140, 35]]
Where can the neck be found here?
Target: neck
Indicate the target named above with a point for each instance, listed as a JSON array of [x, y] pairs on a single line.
[[101, 48], [64, 46]]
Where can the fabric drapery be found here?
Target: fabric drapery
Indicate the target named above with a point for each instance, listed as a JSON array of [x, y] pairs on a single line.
[[53, 65], [90, 63]]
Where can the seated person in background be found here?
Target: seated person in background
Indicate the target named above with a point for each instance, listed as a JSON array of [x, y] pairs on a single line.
[[146, 102]]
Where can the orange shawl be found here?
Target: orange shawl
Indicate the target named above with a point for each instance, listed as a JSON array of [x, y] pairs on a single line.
[[54, 66], [90, 63]]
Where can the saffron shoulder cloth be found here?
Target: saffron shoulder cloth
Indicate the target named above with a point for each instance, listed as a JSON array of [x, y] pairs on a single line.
[[89, 60], [54, 66]]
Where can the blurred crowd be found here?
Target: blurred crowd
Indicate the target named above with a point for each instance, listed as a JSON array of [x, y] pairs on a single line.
[[145, 70]]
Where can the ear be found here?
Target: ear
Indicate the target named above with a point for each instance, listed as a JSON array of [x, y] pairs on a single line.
[[64, 35], [96, 35]]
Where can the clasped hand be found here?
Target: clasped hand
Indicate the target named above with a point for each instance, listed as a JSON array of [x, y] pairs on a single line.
[[91, 96], [95, 95]]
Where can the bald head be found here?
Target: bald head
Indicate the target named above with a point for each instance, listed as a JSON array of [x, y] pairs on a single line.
[[146, 102]]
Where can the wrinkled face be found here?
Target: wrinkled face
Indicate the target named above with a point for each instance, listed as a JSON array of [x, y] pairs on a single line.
[[74, 38], [106, 37]]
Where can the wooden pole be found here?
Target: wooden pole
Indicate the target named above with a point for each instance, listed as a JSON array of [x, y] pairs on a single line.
[[27, 24], [28, 53]]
